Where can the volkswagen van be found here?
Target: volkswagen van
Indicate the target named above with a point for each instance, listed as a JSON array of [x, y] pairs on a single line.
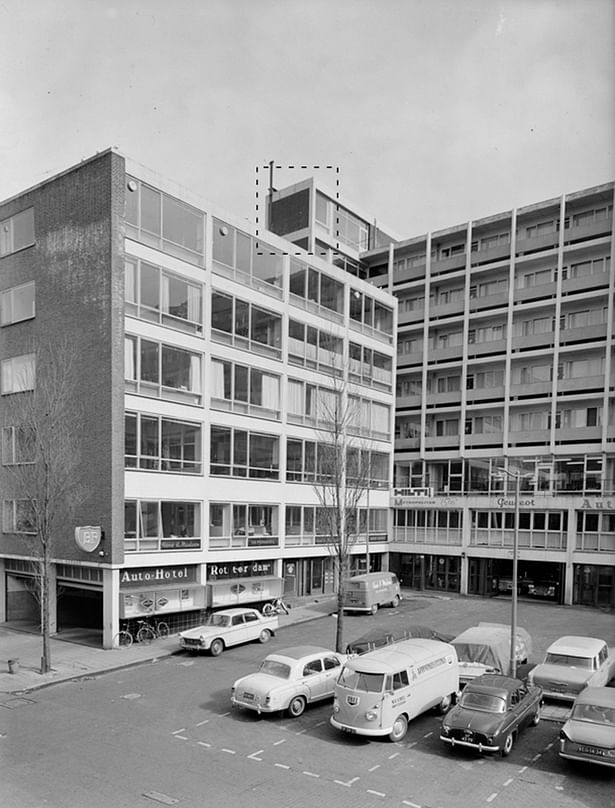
[[369, 591], [378, 693]]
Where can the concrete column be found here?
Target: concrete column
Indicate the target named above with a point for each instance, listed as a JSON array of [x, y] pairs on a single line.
[[53, 599], [111, 605], [2, 591]]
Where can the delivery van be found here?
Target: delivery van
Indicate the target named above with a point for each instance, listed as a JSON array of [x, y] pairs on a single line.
[[367, 592], [378, 693]]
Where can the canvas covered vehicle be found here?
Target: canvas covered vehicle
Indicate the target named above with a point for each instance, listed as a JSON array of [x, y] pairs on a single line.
[[485, 649]]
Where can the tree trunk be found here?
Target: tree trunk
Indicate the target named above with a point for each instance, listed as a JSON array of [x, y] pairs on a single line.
[[46, 651]]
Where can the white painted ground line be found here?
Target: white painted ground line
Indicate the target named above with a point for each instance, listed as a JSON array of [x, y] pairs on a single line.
[[508, 782], [181, 737], [200, 724], [277, 743], [373, 768], [183, 729], [375, 793], [229, 751], [202, 743], [492, 796], [253, 756], [310, 774], [281, 766], [411, 804]]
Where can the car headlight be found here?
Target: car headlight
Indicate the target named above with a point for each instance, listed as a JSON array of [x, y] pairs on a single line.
[[371, 715], [336, 707], [445, 729], [563, 736]]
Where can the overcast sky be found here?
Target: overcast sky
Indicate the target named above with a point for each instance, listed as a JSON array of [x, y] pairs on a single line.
[[435, 111]]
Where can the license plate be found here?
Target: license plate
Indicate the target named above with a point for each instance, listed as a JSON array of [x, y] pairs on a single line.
[[592, 750], [349, 729], [248, 696]]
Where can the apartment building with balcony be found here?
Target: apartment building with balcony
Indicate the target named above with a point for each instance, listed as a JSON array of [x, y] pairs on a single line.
[[207, 355], [506, 378]]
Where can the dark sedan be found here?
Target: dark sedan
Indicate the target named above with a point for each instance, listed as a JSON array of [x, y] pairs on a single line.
[[491, 712]]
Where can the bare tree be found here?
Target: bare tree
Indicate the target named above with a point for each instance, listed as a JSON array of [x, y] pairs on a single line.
[[342, 478], [42, 424]]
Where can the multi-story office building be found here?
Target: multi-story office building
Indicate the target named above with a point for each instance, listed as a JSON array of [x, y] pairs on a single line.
[[208, 360], [505, 394]]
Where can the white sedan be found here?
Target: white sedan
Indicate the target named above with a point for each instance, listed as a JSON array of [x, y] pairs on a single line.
[[289, 680], [228, 627]]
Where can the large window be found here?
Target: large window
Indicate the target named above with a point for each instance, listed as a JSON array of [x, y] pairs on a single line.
[[162, 444], [369, 367], [260, 263], [310, 404], [239, 453], [18, 516], [17, 304], [371, 314], [151, 525], [244, 325], [154, 294], [17, 445], [18, 374], [369, 418], [17, 232], [162, 221], [314, 348], [164, 371], [241, 525], [244, 389], [312, 286]]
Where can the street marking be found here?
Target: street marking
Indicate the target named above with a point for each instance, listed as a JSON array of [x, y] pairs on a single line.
[[373, 768], [348, 784], [277, 743], [200, 724], [281, 766], [394, 755], [411, 804], [509, 781], [254, 754], [181, 737], [159, 797], [229, 751], [548, 746], [410, 745], [202, 743], [320, 723], [492, 797], [301, 731], [522, 769], [376, 793], [536, 757], [428, 734], [223, 715], [131, 696], [183, 729], [311, 774]]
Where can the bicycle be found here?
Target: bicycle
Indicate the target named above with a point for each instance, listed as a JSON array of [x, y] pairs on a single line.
[[275, 607], [145, 633]]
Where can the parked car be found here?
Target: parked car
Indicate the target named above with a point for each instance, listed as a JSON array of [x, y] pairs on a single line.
[[486, 649], [505, 584], [589, 733], [228, 627], [523, 641], [379, 637], [544, 589], [491, 712], [289, 680], [571, 664]]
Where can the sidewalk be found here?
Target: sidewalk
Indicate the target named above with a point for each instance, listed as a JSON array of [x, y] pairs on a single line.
[[71, 660]]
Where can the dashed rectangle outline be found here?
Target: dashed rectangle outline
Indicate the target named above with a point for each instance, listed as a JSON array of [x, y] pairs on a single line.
[[267, 167]]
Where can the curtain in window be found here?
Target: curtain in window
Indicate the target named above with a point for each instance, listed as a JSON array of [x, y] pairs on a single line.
[[194, 304], [271, 392], [129, 359], [217, 379], [195, 374], [296, 398], [380, 418], [165, 294], [129, 283]]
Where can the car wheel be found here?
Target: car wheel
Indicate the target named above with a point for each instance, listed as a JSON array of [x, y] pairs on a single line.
[[395, 602], [265, 635], [296, 707], [374, 608], [216, 648], [445, 705], [508, 745], [400, 727], [536, 717]]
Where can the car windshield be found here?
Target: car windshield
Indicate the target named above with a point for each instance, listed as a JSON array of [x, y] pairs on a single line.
[[595, 714], [483, 701], [569, 661], [274, 668], [358, 680], [219, 620]]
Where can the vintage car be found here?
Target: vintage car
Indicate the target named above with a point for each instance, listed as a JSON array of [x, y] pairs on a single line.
[[571, 664], [486, 649], [289, 680], [544, 589], [589, 733], [523, 641], [491, 712], [379, 637], [228, 627]]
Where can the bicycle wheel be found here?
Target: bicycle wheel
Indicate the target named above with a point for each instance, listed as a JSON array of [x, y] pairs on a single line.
[[268, 610], [145, 635], [123, 639], [163, 629]]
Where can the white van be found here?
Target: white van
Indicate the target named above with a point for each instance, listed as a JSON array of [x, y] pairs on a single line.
[[378, 693], [369, 591]]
